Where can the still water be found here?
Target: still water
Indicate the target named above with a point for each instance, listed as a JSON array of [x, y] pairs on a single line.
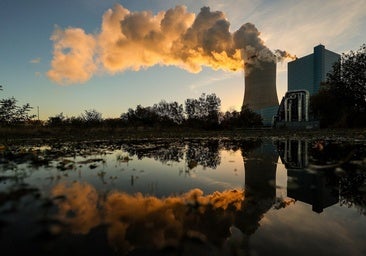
[[186, 197]]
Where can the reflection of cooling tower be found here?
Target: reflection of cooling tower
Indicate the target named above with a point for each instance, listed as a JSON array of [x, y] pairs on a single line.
[[260, 85], [260, 186]]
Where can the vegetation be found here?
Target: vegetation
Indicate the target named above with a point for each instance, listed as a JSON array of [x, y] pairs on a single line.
[[202, 113], [11, 113], [342, 100], [245, 118]]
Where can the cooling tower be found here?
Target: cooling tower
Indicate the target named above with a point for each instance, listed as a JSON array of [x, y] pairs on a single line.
[[260, 85]]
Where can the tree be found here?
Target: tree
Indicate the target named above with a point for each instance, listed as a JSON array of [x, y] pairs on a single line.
[[245, 118], [56, 120], [169, 113], [342, 99], [213, 104], [249, 118], [141, 116], [11, 113], [91, 117], [204, 111]]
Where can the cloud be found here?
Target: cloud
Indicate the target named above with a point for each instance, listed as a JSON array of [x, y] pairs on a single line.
[[136, 40], [73, 56], [300, 25], [35, 61]]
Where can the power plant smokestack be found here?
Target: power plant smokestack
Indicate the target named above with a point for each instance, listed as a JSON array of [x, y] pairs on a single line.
[[260, 92], [260, 85]]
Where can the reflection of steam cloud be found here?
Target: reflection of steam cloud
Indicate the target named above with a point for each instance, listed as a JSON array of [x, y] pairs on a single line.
[[80, 208], [135, 40], [137, 220]]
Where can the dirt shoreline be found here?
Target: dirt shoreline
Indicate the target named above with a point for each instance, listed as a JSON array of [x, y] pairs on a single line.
[[8, 135]]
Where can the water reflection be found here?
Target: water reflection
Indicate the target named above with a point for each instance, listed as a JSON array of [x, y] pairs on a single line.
[[315, 187], [194, 152], [163, 151], [138, 221], [183, 221], [320, 172], [260, 184]]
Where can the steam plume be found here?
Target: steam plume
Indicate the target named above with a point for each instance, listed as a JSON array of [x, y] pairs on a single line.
[[135, 40], [281, 55]]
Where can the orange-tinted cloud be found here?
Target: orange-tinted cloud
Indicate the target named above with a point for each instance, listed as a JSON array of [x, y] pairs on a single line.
[[135, 40], [73, 56]]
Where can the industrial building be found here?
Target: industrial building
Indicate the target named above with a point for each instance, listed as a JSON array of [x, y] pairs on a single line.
[[308, 72], [260, 93], [305, 76]]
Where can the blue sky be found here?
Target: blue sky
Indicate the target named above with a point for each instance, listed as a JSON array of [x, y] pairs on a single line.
[[27, 51]]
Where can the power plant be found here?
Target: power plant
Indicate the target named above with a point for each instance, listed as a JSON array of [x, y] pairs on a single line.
[[260, 92], [305, 76], [308, 72]]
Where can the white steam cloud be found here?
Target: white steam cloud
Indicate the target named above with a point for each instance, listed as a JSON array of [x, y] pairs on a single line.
[[136, 40]]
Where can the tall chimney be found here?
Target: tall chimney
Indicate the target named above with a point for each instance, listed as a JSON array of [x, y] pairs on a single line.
[[260, 85]]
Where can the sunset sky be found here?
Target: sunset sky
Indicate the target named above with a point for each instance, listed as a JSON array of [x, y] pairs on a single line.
[[69, 56]]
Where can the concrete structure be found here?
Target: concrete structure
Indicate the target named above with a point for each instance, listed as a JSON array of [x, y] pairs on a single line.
[[311, 70], [294, 111], [260, 89]]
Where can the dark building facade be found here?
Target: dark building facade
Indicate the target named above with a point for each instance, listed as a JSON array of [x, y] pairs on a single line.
[[308, 72]]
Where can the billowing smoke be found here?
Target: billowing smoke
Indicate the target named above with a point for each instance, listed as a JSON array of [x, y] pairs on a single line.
[[135, 40], [281, 55]]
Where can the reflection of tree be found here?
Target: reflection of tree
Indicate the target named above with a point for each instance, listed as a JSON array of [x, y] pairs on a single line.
[[200, 152], [163, 151], [205, 153], [332, 154], [353, 187]]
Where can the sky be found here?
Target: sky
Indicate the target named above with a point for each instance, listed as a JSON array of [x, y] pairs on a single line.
[[75, 55]]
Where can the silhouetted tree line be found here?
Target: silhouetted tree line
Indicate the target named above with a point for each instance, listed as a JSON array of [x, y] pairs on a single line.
[[341, 102], [203, 112]]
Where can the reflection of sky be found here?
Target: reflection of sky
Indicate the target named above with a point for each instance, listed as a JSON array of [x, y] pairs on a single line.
[[147, 176], [281, 180], [336, 231]]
